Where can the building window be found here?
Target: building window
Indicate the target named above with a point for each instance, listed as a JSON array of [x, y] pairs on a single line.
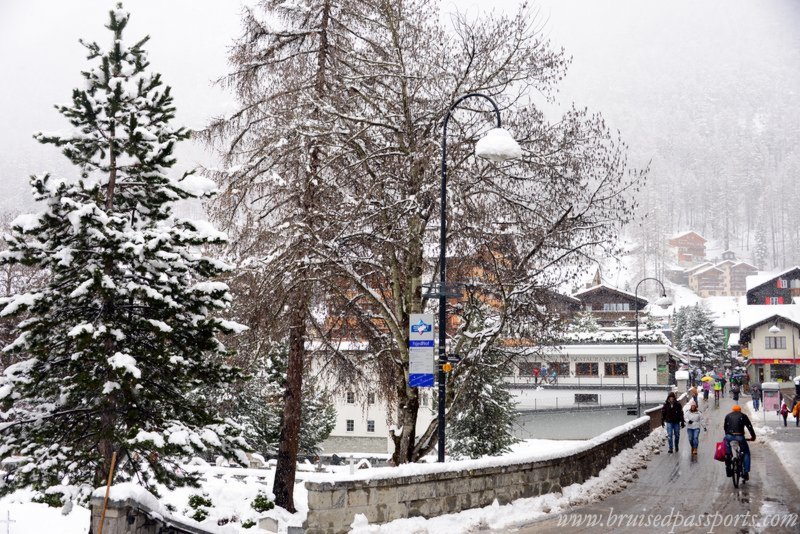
[[562, 368], [351, 397], [783, 283], [351, 425], [774, 300], [616, 306], [794, 283], [775, 342], [370, 398], [526, 368], [586, 369], [370, 426], [615, 369]]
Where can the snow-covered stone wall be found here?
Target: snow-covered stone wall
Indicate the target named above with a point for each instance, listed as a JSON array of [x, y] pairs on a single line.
[[452, 487]]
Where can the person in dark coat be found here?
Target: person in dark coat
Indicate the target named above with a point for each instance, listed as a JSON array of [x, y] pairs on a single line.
[[755, 391], [734, 426], [672, 418]]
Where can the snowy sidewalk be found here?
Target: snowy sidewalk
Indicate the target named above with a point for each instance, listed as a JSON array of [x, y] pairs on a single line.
[[784, 440], [681, 494]]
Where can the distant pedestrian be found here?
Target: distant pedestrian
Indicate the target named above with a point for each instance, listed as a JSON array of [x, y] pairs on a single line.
[[706, 389], [722, 386], [755, 391], [784, 411], [535, 375], [735, 392], [693, 393], [796, 412], [694, 422], [672, 418]]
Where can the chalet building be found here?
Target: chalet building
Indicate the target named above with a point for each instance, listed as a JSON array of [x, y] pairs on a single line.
[[609, 304], [773, 289], [770, 338], [564, 306], [726, 278], [688, 247], [729, 255], [708, 281], [737, 278]]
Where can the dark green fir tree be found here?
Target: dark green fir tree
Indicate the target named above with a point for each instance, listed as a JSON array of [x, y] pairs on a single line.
[[481, 421], [259, 406], [119, 350]]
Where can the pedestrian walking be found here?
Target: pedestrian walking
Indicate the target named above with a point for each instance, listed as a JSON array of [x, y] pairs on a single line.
[[672, 418], [693, 393], [784, 411], [755, 391], [706, 389], [735, 392], [796, 412], [695, 420], [722, 385], [536, 375]]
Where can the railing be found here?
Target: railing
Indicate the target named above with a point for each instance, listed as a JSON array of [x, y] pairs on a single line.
[[626, 381], [558, 402]]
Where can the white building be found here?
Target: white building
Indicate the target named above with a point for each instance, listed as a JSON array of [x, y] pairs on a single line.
[[600, 373]]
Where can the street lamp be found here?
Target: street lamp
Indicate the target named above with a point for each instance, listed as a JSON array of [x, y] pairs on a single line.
[[498, 145], [664, 302]]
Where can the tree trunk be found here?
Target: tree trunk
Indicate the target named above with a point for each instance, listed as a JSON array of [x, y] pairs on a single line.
[[288, 444]]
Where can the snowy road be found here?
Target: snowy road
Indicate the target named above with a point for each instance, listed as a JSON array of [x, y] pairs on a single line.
[[698, 490]]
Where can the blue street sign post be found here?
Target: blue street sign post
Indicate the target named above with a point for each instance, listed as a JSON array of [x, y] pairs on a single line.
[[420, 350]]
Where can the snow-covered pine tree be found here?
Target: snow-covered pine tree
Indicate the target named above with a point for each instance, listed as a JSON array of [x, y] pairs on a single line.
[[121, 348], [481, 421], [699, 335], [584, 321], [679, 325], [259, 407]]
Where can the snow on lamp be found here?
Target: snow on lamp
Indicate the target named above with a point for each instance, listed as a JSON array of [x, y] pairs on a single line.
[[498, 145]]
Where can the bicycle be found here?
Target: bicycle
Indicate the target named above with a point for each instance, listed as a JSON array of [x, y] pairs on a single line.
[[737, 463]]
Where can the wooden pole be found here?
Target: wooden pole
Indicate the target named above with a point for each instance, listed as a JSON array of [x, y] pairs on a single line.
[[108, 489]]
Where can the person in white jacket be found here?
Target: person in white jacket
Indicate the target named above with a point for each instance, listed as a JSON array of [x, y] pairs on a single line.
[[695, 420]]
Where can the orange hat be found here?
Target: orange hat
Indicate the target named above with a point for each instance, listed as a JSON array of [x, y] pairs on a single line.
[[737, 408]]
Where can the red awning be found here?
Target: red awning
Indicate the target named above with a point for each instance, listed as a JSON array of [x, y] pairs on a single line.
[[762, 361]]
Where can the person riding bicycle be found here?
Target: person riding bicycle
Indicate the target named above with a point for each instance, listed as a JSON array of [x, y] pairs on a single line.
[[734, 426]]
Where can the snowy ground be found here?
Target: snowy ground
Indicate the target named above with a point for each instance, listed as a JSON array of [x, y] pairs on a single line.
[[231, 492], [784, 441]]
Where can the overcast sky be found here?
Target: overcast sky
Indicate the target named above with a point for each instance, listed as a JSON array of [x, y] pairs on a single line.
[[617, 46]]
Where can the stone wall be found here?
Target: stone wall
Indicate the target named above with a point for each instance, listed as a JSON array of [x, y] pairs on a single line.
[[131, 517], [332, 506]]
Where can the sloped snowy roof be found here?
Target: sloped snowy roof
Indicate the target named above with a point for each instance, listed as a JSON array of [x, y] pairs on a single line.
[[703, 265], [762, 278], [610, 288], [707, 270], [682, 234], [752, 316], [733, 339], [744, 264]]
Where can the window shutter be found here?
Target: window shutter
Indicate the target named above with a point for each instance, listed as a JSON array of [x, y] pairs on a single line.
[[780, 300], [766, 300], [778, 283]]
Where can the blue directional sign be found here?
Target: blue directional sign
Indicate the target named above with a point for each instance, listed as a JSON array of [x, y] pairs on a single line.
[[420, 350]]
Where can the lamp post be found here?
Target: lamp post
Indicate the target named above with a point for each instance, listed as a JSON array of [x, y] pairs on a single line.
[[663, 302], [498, 145]]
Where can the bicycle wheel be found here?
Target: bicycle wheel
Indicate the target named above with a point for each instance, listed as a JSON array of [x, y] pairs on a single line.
[[737, 471]]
